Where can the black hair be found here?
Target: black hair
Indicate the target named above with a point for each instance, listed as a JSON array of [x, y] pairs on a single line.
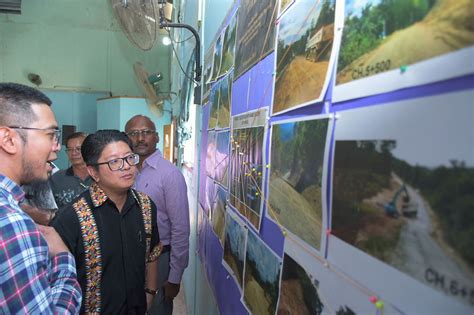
[[15, 104], [95, 143], [75, 135]]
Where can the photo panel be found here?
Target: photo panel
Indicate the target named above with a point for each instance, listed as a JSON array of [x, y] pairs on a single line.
[[222, 157], [261, 277], [248, 133], [214, 104], [314, 288], [218, 213], [255, 33], [211, 154], [402, 201], [235, 243], [217, 56], [228, 50], [210, 196], [304, 54], [297, 182], [207, 75], [225, 89], [390, 45]]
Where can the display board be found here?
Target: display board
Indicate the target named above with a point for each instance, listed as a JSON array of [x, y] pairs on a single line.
[[337, 161]]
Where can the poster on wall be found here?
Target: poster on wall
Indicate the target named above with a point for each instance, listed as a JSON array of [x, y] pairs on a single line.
[[211, 154], [210, 196], [216, 65], [304, 54], [403, 198], [389, 45], [206, 89], [224, 101], [222, 157], [235, 247], [261, 277], [228, 50], [298, 160], [214, 104], [255, 33], [248, 131], [218, 213]]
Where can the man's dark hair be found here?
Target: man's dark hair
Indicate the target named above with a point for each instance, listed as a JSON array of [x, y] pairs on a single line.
[[95, 143], [15, 104], [75, 135]]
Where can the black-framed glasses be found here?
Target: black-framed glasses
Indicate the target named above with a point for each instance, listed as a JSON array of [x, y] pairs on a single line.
[[118, 164], [55, 133], [72, 149], [144, 132]]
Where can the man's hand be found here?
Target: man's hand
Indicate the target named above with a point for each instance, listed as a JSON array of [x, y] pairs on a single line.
[[55, 243], [171, 291], [38, 215]]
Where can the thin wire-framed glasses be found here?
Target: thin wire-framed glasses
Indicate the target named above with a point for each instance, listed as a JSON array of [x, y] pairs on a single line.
[[55, 135], [72, 149], [119, 163], [145, 133]]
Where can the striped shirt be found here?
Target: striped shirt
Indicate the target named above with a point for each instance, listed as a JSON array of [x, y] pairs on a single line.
[[31, 282]]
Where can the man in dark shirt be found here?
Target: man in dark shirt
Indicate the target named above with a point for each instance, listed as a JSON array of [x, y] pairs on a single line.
[[112, 231], [70, 183]]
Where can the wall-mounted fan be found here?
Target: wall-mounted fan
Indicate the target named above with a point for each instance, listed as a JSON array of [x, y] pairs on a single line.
[[138, 19], [149, 83]]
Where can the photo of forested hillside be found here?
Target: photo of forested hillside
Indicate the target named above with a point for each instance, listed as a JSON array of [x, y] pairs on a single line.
[[295, 194]]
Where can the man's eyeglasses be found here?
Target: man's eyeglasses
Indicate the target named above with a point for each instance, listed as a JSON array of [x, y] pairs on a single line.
[[76, 149], [118, 164], [54, 134], [145, 133]]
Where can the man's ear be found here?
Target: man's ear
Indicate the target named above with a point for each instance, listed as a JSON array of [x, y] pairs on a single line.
[[93, 173], [8, 142]]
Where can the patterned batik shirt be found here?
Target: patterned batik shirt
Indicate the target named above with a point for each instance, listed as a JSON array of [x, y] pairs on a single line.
[[31, 282]]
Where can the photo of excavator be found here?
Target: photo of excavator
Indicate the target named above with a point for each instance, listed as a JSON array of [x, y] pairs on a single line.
[[408, 208]]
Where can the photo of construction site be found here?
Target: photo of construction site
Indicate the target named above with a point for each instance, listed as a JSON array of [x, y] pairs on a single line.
[[304, 46], [218, 213], [296, 174], [407, 200], [381, 35]]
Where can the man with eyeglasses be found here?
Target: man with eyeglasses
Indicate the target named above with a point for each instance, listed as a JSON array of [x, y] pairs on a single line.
[[70, 183], [37, 271], [164, 183]]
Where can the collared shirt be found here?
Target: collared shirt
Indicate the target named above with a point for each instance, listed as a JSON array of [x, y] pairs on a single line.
[[166, 186], [122, 246], [30, 281], [66, 186]]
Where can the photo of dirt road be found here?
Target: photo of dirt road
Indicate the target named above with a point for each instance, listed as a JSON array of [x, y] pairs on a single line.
[[296, 159], [235, 247], [404, 214], [380, 35], [262, 276], [298, 291], [304, 45]]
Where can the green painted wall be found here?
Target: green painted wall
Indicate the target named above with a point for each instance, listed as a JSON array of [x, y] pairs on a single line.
[[74, 45]]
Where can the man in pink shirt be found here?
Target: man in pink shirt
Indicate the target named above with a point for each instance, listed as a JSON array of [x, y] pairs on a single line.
[[164, 183]]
